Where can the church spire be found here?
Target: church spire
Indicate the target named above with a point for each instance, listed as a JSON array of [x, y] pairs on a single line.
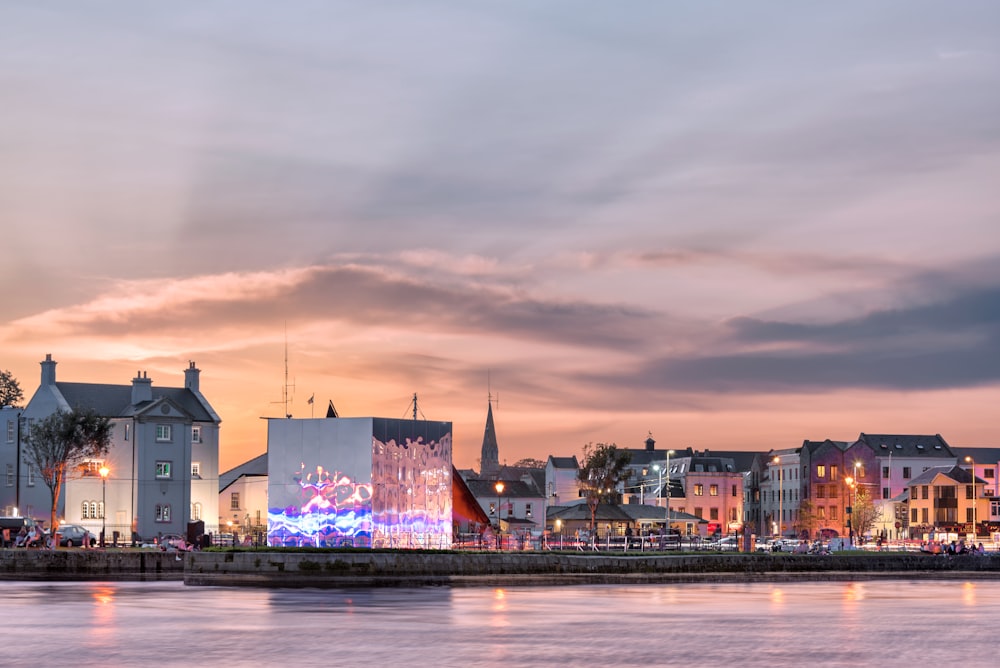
[[490, 458]]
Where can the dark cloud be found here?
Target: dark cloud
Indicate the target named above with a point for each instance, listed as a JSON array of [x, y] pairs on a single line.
[[369, 298], [950, 343]]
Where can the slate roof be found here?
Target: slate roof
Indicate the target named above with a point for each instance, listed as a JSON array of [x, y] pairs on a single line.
[[907, 445], [255, 467], [957, 473], [979, 455], [483, 489], [115, 401], [564, 462]]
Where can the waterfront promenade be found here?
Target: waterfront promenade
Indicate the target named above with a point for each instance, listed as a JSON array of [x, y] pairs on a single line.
[[374, 568]]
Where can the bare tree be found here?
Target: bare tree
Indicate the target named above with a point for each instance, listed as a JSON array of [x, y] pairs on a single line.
[[10, 390], [808, 520], [64, 441], [604, 468], [529, 463], [864, 513]]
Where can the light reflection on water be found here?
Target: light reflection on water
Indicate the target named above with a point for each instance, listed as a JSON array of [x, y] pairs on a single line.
[[770, 624]]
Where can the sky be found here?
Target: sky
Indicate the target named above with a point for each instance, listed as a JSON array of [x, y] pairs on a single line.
[[730, 225]]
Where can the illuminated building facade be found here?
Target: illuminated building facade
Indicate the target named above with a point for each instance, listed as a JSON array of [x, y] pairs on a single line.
[[363, 482]]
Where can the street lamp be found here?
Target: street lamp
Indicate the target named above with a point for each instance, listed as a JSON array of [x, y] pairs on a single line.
[[104, 471], [781, 514], [669, 452], [852, 483], [972, 470], [499, 487]]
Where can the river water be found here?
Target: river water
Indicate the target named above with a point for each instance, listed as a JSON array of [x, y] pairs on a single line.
[[888, 622]]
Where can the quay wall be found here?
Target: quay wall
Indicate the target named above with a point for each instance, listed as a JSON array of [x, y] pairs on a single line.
[[76, 564], [407, 568]]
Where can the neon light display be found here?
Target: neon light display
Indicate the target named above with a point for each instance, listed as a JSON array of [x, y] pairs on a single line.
[[361, 482]]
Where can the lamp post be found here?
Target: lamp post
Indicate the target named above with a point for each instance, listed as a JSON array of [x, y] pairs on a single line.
[[781, 514], [669, 452], [852, 483], [104, 471], [972, 470], [499, 487]]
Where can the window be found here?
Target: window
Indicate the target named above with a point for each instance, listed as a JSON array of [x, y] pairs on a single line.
[[10, 475], [735, 493], [234, 503], [733, 515], [196, 511], [913, 515], [821, 471], [923, 515], [885, 493], [92, 468], [970, 492], [196, 470], [713, 514], [906, 472], [163, 512], [162, 470], [924, 494], [527, 510], [699, 490], [92, 510], [85, 510], [988, 473], [698, 513], [31, 477], [713, 490], [126, 430], [10, 431], [820, 491], [833, 512], [833, 491], [968, 515], [821, 512], [196, 434], [885, 471], [163, 433], [833, 472], [859, 471]]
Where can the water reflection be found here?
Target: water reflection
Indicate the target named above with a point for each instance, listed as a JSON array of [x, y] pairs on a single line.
[[751, 624]]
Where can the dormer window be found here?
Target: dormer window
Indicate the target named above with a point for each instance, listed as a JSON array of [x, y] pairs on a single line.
[[163, 433]]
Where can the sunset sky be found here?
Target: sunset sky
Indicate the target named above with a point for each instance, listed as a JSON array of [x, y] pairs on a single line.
[[735, 225]]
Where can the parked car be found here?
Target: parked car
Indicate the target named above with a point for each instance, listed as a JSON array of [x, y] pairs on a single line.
[[727, 544], [73, 535]]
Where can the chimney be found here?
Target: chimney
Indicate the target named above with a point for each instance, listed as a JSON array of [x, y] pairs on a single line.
[[142, 388], [48, 370], [191, 375]]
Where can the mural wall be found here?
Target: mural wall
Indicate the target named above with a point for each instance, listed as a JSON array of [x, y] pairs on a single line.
[[359, 482]]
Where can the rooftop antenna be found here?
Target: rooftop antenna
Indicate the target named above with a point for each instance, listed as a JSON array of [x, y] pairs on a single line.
[[416, 409], [286, 398]]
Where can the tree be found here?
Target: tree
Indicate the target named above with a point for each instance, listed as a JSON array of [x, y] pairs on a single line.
[[64, 441], [10, 390], [808, 520], [864, 513], [604, 468], [529, 463]]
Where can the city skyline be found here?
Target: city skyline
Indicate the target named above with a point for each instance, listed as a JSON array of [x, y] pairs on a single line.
[[734, 227]]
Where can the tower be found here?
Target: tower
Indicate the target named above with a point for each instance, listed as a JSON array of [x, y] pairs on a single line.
[[490, 458]]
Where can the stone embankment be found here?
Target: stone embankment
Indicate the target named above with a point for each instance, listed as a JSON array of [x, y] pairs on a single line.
[[76, 564], [374, 568], [340, 568]]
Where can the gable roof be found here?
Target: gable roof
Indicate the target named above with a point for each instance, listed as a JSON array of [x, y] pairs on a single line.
[[960, 475], [254, 467], [564, 462], [979, 455], [115, 401], [483, 489]]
